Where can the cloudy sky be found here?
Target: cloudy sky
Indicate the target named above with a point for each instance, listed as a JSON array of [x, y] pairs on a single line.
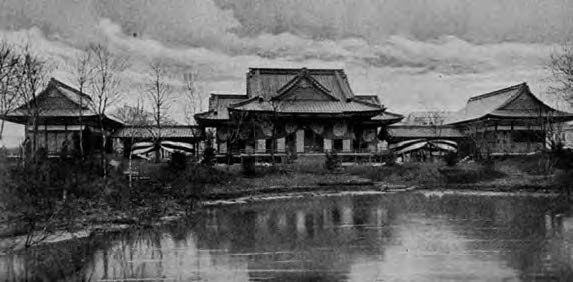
[[415, 54]]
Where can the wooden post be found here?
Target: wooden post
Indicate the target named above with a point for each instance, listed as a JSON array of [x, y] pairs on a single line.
[[281, 145], [346, 145], [528, 139], [261, 146], [327, 144], [496, 136], [46, 137], [299, 141]]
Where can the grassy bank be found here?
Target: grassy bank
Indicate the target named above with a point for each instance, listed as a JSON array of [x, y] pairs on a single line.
[[505, 174], [50, 196], [70, 196]]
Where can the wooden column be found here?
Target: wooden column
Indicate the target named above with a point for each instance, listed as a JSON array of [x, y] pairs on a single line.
[[528, 139], [281, 145], [69, 144], [222, 147], [327, 144], [496, 136], [299, 141], [46, 137], [346, 145]]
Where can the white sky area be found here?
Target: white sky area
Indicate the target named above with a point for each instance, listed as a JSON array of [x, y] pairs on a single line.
[[416, 55]]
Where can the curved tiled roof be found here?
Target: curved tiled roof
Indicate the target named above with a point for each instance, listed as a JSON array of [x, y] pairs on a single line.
[[322, 107], [266, 87], [481, 105], [266, 82], [64, 102], [495, 104]]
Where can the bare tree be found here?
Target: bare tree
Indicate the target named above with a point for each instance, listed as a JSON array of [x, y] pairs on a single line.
[[192, 95], [105, 86], [32, 77], [9, 62], [192, 102], [134, 115], [561, 66], [159, 92], [82, 72]]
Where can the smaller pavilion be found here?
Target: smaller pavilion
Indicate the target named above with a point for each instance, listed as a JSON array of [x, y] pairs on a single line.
[[508, 121], [63, 112]]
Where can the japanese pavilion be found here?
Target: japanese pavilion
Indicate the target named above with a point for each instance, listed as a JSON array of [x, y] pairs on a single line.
[[303, 111], [59, 107], [508, 121]]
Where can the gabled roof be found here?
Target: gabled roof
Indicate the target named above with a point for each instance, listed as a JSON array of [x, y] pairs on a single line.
[[171, 131], [219, 104], [493, 103], [388, 116], [268, 82], [303, 76], [370, 98], [259, 104], [55, 105], [58, 100], [71, 93]]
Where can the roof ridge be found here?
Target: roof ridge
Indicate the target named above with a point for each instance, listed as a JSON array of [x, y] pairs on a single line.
[[393, 113], [244, 102], [291, 70], [64, 85], [365, 95], [367, 103], [162, 126], [496, 92], [228, 95]]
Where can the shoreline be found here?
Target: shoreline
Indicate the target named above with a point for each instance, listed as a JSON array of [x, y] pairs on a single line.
[[16, 243]]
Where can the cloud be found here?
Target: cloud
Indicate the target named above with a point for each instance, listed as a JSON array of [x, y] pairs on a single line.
[[407, 70], [484, 21]]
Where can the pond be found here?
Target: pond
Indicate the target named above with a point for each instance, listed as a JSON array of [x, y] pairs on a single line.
[[411, 236]]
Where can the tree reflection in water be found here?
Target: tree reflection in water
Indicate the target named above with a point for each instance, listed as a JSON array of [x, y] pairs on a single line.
[[418, 236]]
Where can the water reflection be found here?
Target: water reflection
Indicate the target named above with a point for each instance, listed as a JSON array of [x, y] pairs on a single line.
[[410, 236]]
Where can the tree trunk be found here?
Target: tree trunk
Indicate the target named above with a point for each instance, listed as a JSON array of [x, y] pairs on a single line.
[[1, 128], [81, 127], [102, 151]]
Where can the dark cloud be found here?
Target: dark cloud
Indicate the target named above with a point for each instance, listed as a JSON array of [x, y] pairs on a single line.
[[484, 21]]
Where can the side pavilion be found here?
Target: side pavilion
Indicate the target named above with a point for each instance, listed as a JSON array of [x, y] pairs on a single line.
[[509, 121], [63, 112]]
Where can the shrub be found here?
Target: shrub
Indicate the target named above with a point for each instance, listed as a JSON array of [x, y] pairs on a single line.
[[291, 156], [470, 174], [333, 161], [408, 173], [178, 161], [389, 158], [248, 164], [451, 158], [208, 156]]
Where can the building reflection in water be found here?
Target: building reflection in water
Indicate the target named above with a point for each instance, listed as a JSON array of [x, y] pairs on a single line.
[[409, 236]]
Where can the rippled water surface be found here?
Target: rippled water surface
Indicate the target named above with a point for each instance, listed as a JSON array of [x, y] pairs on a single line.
[[406, 236]]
